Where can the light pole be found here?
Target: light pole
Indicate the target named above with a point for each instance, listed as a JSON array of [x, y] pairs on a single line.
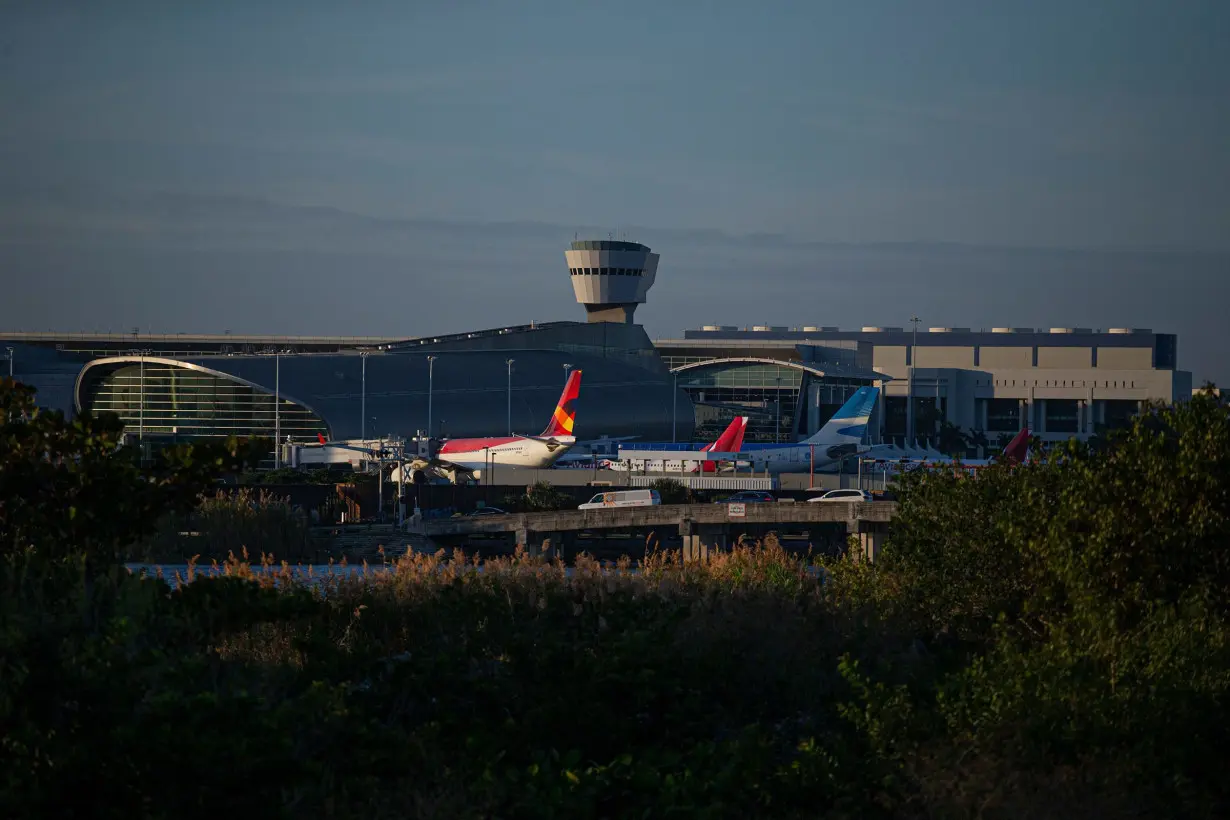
[[277, 409], [509, 362], [777, 397], [363, 399], [675, 408], [10, 350], [141, 400], [567, 372], [909, 402], [431, 362]]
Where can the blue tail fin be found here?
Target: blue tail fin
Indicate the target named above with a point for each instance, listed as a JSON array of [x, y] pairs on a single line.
[[849, 423]]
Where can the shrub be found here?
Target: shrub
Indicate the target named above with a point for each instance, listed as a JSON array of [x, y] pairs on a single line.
[[223, 523], [672, 491]]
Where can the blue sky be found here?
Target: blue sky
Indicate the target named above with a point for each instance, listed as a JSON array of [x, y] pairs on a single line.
[[1020, 126]]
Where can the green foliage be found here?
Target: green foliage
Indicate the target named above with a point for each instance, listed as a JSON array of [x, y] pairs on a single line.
[[951, 440], [223, 523], [1044, 640], [543, 497], [672, 491], [69, 487], [289, 475]]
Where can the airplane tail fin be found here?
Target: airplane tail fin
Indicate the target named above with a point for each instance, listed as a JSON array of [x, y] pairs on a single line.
[[849, 423], [729, 442], [726, 442], [1018, 448], [564, 417], [737, 444], [322, 438]]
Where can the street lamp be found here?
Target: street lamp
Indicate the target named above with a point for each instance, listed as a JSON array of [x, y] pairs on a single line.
[[509, 362], [141, 405], [675, 407], [363, 400], [277, 409], [909, 402], [10, 350], [431, 361], [567, 373], [777, 398]]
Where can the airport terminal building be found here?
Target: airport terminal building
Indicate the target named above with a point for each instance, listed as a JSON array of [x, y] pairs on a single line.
[[1060, 382]]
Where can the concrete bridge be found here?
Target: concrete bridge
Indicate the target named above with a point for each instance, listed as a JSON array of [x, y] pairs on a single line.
[[701, 526]]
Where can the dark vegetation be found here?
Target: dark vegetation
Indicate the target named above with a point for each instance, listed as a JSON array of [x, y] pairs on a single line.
[[1042, 641]]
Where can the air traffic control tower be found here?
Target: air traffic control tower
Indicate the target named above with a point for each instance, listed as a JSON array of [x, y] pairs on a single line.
[[611, 278]]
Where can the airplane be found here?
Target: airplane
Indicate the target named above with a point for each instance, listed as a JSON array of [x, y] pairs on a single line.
[[1015, 452], [475, 454], [730, 441], [841, 437]]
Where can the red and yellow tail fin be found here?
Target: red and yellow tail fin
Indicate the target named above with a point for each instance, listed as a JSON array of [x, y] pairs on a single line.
[[565, 415]]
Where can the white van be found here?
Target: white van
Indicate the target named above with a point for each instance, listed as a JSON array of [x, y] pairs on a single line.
[[624, 498]]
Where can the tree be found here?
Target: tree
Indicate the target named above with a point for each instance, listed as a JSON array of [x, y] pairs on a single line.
[[979, 441], [952, 441], [70, 487], [1082, 601], [671, 491]]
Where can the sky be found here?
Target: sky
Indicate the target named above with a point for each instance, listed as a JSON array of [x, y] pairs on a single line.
[[388, 168]]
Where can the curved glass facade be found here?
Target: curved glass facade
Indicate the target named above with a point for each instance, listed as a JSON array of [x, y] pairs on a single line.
[[158, 399], [781, 402]]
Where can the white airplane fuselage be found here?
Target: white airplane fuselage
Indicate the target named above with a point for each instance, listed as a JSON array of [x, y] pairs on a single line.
[[506, 451], [798, 458]]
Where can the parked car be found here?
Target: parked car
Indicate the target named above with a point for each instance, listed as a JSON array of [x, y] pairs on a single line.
[[848, 496], [622, 498], [489, 511], [748, 497]]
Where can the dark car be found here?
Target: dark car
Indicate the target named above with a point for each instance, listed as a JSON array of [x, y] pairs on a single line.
[[489, 511], [748, 497]]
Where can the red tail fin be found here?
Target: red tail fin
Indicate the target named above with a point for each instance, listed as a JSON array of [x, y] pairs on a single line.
[[727, 439], [729, 442], [737, 444], [565, 416], [1018, 448], [322, 438]]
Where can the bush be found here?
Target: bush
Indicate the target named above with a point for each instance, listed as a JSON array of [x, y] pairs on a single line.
[[1044, 640], [672, 491], [223, 523]]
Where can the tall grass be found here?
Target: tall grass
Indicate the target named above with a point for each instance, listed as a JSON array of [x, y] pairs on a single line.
[[225, 523]]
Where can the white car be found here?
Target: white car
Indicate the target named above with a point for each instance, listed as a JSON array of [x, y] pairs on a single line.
[[849, 496]]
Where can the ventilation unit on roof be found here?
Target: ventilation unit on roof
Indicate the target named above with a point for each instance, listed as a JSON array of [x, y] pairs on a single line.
[[1129, 330], [760, 328], [711, 327]]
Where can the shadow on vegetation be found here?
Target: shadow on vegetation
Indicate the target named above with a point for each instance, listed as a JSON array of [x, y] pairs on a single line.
[[1042, 641]]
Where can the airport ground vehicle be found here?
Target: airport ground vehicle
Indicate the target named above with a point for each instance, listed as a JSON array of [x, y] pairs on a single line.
[[622, 498]]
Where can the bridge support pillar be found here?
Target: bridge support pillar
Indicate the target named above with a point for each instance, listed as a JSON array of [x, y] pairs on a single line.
[[693, 546], [562, 545], [522, 538], [716, 537], [870, 536]]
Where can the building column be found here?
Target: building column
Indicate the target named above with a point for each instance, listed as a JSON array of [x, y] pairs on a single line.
[[984, 412], [1041, 415]]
